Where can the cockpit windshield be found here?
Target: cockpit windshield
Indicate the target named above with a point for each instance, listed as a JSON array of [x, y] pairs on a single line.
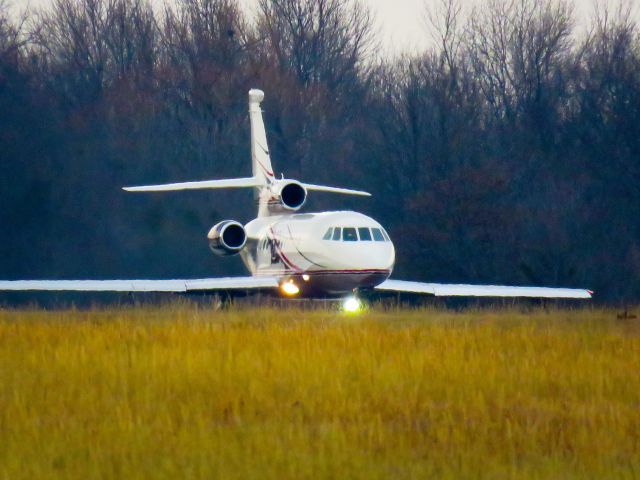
[[349, 235], [364, 234], [377, 235], [353, 234]]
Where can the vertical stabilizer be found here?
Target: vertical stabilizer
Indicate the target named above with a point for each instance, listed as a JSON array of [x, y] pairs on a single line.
[[261, 161]]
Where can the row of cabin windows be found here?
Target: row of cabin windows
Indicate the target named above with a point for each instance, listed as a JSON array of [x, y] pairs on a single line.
[[349, 234]]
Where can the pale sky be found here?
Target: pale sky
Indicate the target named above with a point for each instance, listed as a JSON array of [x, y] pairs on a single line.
[[401, 23]]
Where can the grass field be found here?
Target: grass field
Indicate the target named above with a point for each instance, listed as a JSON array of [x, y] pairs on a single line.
[[181, 391]]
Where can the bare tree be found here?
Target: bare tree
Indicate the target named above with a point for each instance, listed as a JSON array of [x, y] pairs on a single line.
[[209, 31], [130, 37], [516, 47], [319, 41], [445, 19], [8, 34], [610, 56], [205, 62], [94, 43], [14, 34]]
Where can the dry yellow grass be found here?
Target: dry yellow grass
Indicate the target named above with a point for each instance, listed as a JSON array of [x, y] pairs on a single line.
[[179, 391]]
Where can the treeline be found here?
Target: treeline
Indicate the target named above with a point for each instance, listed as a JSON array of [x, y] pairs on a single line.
[[509, 152]]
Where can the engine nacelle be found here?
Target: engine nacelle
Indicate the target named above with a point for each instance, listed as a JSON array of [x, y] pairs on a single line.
[[291, 194], [227, 238]]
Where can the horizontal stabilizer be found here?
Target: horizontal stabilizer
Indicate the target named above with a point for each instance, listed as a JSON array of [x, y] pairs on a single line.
[[234, 183], [461, 290], [346, 191], [227, 183]]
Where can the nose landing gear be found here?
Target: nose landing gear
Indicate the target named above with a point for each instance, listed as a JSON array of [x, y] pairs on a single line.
[[352, 304]]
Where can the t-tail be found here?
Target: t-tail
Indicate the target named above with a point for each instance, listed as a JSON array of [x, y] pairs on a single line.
[[260, 158], [275, 196]]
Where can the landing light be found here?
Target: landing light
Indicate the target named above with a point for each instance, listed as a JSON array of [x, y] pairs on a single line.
[[289, 288], [351, 305]]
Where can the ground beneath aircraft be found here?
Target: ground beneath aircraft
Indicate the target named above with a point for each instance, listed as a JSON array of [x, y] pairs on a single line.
[[182, 391]]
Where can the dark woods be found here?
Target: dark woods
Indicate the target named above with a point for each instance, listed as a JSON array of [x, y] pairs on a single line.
[[508, 153]]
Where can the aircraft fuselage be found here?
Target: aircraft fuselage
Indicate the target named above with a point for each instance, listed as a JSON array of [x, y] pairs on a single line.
[[328, 253]]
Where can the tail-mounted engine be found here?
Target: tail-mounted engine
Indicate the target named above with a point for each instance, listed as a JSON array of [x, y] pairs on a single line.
[[227, 238], [288, 195]]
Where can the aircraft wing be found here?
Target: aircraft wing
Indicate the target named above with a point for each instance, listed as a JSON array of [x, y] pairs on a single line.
[[181, 286], [462, 290]]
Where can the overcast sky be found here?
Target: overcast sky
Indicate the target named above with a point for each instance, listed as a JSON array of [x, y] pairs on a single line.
[[401, 23]]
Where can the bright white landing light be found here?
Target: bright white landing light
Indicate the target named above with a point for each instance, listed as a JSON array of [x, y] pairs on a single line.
[[351, 304], [290, 288]]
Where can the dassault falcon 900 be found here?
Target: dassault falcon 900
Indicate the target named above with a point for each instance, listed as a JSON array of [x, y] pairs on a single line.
[[294, 254]]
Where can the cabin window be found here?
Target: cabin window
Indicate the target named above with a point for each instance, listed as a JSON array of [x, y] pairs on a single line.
[[377, 235], [365, 234], [349, 235], [336, 233], [327, 236]]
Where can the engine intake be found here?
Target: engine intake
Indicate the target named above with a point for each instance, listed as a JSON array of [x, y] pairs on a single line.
[[292, 195], [227, 238]]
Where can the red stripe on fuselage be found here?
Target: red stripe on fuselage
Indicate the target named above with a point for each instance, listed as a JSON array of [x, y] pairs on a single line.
[[324, 272], [282, 256]]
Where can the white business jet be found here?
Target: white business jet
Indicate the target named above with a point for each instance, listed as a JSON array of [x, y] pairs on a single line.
[[328, 254]]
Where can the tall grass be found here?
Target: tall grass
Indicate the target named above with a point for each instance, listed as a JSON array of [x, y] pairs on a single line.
[[180, 391]]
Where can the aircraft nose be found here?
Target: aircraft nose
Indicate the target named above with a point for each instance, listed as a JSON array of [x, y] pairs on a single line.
[[363, 255]]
